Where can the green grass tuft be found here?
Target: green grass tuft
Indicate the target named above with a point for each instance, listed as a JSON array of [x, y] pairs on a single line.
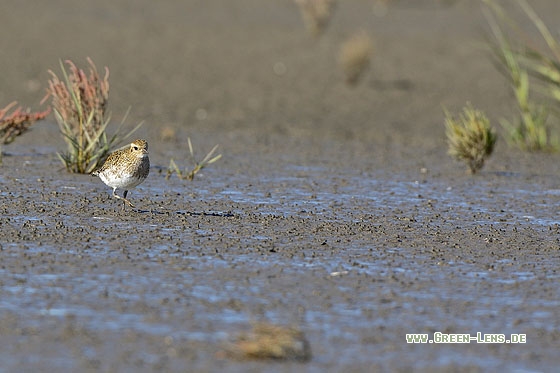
[[530, 71]]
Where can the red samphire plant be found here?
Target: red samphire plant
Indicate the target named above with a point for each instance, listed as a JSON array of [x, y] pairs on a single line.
[[17, 122]]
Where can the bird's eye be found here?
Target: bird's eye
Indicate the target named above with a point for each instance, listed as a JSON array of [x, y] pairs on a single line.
[[135, 147]]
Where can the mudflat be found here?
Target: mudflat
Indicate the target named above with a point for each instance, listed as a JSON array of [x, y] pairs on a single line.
[[334, 209]]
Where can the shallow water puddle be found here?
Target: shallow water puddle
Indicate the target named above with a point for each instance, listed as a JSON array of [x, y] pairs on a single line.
[[335, 196]]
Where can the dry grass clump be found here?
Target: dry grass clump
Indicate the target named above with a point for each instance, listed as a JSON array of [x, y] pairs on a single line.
[[470, 138], [80, 103], [354, 56], [17, 122], [198, 166], [316, 14], [267, 341]]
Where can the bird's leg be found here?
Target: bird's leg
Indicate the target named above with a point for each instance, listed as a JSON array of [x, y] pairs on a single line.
[[127, 201], [123, 198]]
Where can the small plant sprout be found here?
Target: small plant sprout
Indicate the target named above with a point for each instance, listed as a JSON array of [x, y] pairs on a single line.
[[208, 159], [80, 106], [354, 57], [316, 14], [470, 137]]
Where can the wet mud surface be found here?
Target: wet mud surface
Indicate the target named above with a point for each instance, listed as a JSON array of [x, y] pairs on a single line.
[[335, 210]]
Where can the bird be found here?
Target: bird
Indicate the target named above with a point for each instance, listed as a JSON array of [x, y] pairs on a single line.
[[125, 168]]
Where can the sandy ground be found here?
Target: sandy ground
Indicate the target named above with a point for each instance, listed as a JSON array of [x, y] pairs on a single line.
[[334, 209]]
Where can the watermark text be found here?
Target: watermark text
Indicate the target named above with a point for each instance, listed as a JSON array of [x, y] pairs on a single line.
[[480, 337]]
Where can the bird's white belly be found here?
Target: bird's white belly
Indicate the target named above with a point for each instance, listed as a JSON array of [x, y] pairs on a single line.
[[120, 181]]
